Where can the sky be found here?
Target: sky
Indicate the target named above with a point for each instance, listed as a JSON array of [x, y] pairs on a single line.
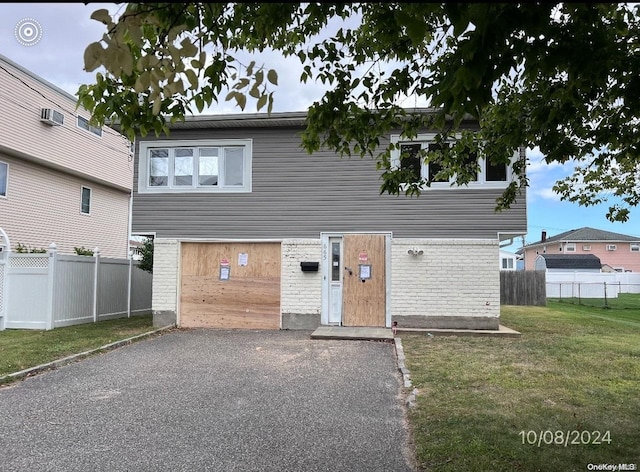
[[49, 40]]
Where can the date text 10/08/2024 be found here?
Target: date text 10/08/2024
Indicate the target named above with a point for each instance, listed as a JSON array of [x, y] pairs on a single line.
[[564, 438], [567, 438]]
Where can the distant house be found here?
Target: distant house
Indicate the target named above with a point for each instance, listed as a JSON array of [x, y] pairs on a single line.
[[508, 260], [568, 263], [619, 251], [61, 179]]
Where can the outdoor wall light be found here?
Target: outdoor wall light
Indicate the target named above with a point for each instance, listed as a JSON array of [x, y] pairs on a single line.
[[415, 252]]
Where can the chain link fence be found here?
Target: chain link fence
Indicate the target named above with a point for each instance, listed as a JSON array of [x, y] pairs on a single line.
[[597, 294]]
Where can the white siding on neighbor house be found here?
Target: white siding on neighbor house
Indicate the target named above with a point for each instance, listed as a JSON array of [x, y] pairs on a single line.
[[104, 158], [504, 263], [301, 292], [453, 277], [43, 206], [165, 275]]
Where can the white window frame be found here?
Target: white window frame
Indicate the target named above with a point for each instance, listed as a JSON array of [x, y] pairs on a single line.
[[634, 247], [6, 179], [82, 189], [611, 247], [87, 127], [570, 247], [586, 247], [143, 165], [510, 265], [481, 181]]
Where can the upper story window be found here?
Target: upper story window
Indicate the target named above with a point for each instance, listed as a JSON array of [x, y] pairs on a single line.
[[195, 166], [570, 247], [84, 124], [633, 247], [408, 157], [586, 247], [4, 178], [85, 201]]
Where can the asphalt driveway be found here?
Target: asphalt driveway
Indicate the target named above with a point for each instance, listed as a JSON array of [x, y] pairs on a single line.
[[212, 400]]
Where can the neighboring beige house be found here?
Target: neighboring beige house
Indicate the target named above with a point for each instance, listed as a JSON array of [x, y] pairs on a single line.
[[61, 180], [618, 251]]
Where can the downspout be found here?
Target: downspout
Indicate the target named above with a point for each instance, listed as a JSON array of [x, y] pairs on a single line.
[[130, 225], [509, 242]]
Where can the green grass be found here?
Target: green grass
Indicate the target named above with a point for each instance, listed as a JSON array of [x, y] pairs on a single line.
[[574, 369], [22, 349], [623, 300]]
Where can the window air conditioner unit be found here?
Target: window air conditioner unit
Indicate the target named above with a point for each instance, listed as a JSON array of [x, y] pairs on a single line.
[[51, 117]]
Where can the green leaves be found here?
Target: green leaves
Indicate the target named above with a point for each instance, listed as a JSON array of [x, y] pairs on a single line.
[[92, 57], [563, 77], [272, 76]]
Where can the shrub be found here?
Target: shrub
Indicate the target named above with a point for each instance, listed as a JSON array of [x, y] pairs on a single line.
[[22, 249], [83, 251]]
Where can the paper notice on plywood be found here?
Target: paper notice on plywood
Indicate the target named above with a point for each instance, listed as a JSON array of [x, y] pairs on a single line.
[[243, 259]]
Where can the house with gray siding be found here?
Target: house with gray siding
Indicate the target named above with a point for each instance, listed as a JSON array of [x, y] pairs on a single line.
[[250, 231]]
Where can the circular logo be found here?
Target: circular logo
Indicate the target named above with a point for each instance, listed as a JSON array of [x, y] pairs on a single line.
[[28, 32]]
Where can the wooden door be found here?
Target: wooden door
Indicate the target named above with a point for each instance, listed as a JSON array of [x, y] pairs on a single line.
[[364, 300], [250, 296]]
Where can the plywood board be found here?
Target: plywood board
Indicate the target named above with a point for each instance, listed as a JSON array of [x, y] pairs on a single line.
[[364, 303], [249, 299]]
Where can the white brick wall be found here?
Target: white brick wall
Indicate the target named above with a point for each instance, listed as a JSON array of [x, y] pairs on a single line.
[[301, 292], [451, 278], [165, 275]]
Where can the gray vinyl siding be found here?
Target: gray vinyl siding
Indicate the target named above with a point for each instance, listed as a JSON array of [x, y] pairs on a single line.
[[295, 195]]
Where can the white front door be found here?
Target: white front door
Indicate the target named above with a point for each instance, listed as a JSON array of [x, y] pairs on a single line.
[[335, 281]]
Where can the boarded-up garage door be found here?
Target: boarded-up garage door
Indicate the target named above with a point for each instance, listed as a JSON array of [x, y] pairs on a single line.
[[250, 296]]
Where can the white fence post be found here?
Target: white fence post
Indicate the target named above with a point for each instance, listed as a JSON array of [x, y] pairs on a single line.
[[96, 254], [51, 280], [4, 282], [129, 285], [5, 250]]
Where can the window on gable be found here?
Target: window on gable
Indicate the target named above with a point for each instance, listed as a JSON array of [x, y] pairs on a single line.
[[85, 201], [4, 177], [198, 166], [407, 157]]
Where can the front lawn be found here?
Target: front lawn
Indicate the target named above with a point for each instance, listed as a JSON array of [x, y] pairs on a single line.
[[563, 396], [23, 348]]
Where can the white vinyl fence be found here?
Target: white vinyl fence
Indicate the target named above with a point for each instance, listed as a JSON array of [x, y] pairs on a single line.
[[46, 291], [591, 285]]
